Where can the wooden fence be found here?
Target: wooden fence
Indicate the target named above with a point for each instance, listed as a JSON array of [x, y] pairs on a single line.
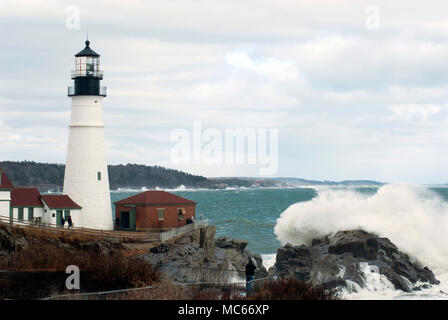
[[109, 235]]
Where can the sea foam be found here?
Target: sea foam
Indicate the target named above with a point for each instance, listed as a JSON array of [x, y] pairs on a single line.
[[413, 218]]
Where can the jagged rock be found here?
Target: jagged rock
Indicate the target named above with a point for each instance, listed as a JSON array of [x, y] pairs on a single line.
[[161, 248], [335, 259], [229, 243], [197, 256], [12, 241]]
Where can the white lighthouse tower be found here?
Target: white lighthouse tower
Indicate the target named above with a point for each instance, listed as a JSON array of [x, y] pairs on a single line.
[[86, 178]]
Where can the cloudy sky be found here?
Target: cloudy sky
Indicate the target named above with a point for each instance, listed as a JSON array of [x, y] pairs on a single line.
[[356, 89]]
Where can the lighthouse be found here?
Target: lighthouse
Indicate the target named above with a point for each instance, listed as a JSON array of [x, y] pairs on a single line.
[[86, 179]]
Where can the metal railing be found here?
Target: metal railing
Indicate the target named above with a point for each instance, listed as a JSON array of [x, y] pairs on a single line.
[[84, 73], [164, 236]]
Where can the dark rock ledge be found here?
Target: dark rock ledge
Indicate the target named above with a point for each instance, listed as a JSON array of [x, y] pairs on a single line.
[[335, 259], [198, 257]]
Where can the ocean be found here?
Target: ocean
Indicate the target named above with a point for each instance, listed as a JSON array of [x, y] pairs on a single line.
[[415, 218]]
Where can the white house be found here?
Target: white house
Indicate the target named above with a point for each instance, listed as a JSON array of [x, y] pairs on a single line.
[[5, 195], [27, 204], [58, 206]]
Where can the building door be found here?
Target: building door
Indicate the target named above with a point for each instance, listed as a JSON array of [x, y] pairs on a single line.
[[127, 220], [124, 219], [30, 214], [59, 218]]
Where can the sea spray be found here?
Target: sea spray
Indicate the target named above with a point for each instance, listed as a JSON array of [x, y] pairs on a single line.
[[414, 218], [268, 260], [376, 286]]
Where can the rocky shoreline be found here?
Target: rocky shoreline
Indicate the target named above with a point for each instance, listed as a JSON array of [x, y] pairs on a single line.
[[194, 257], [199, 257], [342, 260]]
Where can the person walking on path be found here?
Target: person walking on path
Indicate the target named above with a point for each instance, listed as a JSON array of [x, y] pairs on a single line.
[[250, 272], [70, 222]]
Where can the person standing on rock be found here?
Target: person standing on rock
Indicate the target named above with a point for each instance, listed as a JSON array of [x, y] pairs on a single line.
[[250, 272]]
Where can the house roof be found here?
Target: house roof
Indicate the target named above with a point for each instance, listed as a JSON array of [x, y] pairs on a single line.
[[26, 197], [60, 202], [5, 184], [155, 197]]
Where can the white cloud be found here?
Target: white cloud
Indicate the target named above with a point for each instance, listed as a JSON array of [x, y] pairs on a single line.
[[410, 111], [349, 102]]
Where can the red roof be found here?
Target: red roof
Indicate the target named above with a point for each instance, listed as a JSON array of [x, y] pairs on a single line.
[[60, 202], [155, 197], [5, 183], [26, 197]]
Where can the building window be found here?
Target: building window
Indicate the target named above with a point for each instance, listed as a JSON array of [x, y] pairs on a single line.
[[99, 175], [20, 214], [30, 214], [66, 214], [180, 213], [161, 213]]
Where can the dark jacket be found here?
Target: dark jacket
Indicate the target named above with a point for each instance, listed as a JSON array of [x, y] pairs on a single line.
[[250, 269]]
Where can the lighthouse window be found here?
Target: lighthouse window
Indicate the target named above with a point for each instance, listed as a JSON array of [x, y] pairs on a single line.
[[99, 176], [89, 65]]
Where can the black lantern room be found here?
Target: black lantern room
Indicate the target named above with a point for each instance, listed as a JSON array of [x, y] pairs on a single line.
[[87, 74]]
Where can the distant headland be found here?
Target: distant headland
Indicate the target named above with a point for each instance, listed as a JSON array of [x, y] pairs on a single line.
[[50, 176]]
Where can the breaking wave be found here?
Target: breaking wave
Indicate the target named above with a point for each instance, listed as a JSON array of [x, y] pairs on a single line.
[[412, 217]]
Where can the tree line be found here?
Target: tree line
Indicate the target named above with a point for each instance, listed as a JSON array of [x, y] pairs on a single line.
[[51, 176]]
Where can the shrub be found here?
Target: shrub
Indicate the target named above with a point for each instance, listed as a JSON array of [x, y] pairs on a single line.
[[105, 270], [291, 289]]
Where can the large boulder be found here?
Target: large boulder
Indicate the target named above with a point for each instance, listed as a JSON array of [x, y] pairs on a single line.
[[12, 239], [336, 259], [229, 243], [197, 257]]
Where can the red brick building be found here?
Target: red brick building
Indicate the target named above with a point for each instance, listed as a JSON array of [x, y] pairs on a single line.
[[153, 210]]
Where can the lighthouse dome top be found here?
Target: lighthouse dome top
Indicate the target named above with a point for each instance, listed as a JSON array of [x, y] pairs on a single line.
[[87, 52]]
